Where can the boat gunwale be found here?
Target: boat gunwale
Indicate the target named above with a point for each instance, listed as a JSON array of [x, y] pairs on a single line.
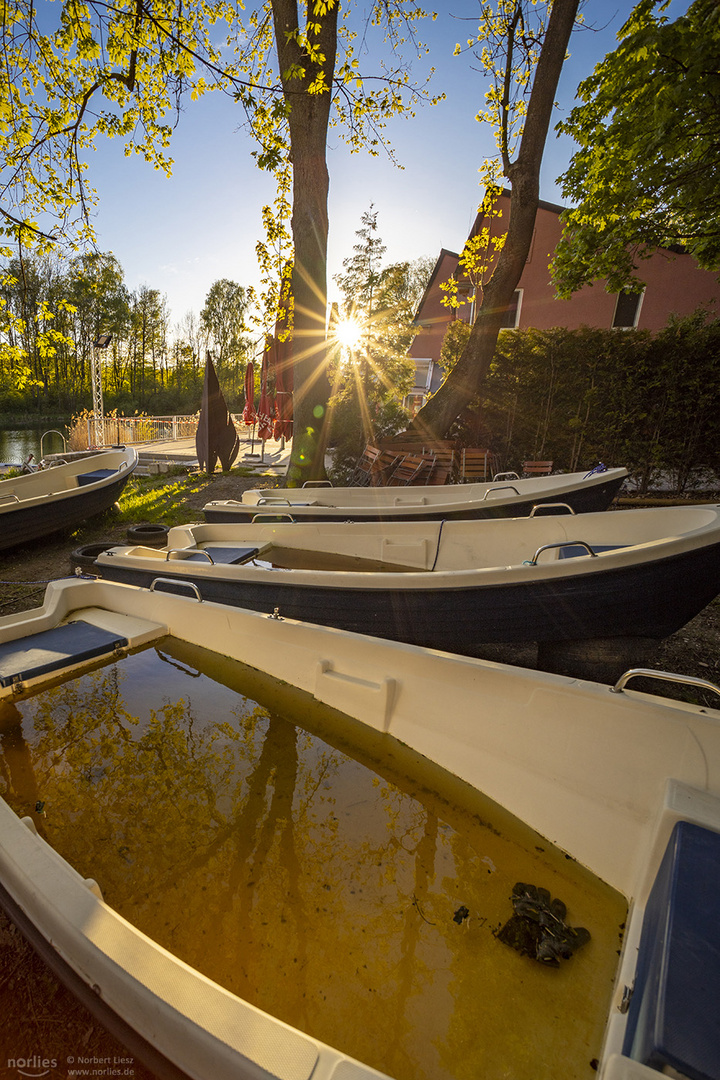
[[661, 757], [127, 462], [627, 557], [408, 496]]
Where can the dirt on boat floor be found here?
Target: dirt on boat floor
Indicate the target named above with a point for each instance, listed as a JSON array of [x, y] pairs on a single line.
[[47, 1020]]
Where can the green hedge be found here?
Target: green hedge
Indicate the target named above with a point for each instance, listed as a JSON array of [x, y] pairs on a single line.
[[648, 402]]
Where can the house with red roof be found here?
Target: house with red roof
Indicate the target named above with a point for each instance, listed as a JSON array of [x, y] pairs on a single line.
[[675, 285]]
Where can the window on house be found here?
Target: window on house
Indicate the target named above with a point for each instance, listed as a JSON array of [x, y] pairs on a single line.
[[414, 402], [627, 310], [423, 374], [512, 315]]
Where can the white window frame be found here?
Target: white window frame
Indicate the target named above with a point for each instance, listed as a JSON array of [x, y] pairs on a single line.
[[519, 293]]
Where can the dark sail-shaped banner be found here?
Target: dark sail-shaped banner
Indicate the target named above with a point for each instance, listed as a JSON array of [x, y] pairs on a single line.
[[216, 435]]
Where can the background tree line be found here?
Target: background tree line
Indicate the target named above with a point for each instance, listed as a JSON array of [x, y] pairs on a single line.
[[649, 402], [55, 309]]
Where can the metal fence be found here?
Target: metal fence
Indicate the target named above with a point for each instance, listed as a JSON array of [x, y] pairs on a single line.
[[126, 430]]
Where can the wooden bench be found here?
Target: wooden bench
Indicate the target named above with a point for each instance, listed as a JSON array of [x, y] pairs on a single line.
[[537, 468], [383, 467], [364, 466], [444, 453], [474, 465], [411, 470]]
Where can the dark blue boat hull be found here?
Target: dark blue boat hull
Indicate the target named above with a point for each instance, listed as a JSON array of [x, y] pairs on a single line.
[[649, 600], [32, 522], [583, 500]]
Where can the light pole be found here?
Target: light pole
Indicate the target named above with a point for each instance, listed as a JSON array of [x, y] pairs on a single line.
[[98, 421]]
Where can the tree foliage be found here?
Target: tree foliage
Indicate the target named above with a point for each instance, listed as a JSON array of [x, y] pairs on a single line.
[[645, 173], [124, 70], [54, 310], [224, 319], [94, 70], [521, 45]]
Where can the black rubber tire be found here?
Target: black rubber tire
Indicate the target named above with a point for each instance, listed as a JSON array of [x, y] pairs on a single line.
[[84, 557], [148, 535]]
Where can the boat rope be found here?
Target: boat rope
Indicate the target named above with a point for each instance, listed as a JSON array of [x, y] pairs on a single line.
[[437, 549], [47, 581]]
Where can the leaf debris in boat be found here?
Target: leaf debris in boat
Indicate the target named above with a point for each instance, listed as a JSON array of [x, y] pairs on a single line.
[[538, 928]]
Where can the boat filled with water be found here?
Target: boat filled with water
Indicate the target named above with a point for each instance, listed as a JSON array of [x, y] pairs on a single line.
[[204, 826]]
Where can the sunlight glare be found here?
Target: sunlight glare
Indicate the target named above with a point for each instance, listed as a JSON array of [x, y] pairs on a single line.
[[349, 332]]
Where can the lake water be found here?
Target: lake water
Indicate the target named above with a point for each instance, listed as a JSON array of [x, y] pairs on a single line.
[[16, 445], [250, 832]]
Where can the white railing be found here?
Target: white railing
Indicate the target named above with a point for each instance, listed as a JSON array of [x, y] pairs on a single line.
[[126, 430]]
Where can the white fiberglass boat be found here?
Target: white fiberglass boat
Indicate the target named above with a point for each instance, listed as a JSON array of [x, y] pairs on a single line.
[[620, 788]]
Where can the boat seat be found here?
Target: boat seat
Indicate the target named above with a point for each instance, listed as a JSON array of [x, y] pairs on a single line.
[[93, 477], [673, 1018], [55, 649], [228, 556]]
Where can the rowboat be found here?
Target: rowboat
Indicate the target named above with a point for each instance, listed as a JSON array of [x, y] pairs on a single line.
[[453, 585], [62, 496], [583, 492], [620, 789]]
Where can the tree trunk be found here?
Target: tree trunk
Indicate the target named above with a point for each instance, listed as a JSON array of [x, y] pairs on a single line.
[[465, 380], [308, 120]]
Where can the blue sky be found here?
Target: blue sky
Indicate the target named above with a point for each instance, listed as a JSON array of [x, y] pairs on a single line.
[[181, 234]]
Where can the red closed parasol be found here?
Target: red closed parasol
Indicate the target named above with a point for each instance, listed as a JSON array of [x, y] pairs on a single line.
[[249, 414], [266, 409], [283, 389]]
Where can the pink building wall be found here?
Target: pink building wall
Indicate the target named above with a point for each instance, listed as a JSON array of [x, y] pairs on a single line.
[[674, 286]]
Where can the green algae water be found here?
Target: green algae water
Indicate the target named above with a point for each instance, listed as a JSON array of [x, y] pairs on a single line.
[[311, 867]]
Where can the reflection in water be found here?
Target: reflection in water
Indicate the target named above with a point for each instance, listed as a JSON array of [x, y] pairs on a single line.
[[317, 883], [15, 445]]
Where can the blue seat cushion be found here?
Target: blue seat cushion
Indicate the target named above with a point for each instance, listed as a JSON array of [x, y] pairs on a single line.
[[226, 555], [53, 650], [93, 477], [674, 1014]]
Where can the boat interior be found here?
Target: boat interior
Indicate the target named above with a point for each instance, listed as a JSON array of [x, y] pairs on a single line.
[[431, 546], [65, 476], [420, 495], [625, 784]]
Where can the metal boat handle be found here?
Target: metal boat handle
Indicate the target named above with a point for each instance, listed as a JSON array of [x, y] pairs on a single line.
[[551, 506], [271, 517], [9, 496], [184, 551], [174, 582], [665, 676], [317, 483], [505, 476], [561, 544], [507, 487]]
